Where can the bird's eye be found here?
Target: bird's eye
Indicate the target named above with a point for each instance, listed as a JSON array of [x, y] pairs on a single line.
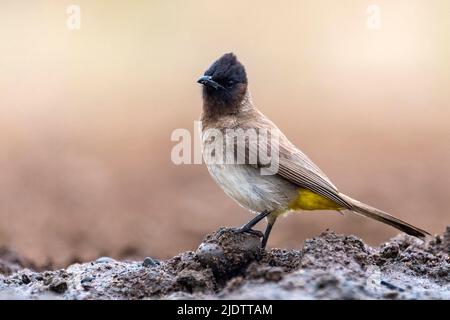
[[230, 83]]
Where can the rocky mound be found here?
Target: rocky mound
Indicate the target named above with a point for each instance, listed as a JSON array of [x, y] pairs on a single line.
[[230, 265]]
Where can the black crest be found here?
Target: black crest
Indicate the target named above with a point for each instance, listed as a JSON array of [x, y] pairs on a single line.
[[227, 68], [225, 81]]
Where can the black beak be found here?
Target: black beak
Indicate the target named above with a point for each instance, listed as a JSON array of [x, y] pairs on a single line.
[[208, 82]]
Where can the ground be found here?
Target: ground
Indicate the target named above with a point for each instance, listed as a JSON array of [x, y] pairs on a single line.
[[230, 265]]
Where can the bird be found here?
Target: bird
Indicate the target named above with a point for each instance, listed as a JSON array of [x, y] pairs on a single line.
[[298, 184]]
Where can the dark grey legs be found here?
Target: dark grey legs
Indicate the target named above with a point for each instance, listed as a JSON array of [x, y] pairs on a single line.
[[249, 225], [270, 222]]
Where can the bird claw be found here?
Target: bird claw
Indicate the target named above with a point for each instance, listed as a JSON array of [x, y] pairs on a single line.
[[257, 233]]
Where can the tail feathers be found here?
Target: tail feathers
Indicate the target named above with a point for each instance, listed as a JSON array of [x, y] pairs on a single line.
[[371, 212]]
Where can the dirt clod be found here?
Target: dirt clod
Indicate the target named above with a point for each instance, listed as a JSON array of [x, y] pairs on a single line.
[[232, 265], [227, 252], [58, 286]]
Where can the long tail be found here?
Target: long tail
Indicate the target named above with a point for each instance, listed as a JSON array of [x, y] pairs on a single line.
[[371, 212]]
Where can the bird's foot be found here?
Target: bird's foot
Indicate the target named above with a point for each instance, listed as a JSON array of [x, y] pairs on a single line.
[[250, 231]]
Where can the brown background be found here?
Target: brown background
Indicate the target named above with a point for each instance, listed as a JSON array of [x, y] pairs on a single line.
[[86, 117]]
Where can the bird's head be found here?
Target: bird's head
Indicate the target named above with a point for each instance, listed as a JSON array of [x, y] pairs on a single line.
[[225, 82]]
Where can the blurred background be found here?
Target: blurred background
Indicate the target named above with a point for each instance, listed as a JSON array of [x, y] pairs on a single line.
[[86, 117]]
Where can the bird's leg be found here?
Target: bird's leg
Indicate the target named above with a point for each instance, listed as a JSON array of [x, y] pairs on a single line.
[[249, 225], [270, 222]]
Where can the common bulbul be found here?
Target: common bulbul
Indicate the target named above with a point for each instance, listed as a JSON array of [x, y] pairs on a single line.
[[298, 183]]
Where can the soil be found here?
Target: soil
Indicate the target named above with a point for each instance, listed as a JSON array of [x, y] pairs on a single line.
[[231, 265]]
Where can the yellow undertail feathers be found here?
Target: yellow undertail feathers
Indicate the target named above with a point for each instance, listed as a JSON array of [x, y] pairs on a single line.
[[308, 200]]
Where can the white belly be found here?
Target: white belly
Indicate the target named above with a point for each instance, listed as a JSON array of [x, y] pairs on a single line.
[[256, 192]]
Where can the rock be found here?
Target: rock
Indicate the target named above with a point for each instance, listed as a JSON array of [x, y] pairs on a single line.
[[58, 286], [105, 260], [227, 252], [149, 262], [25, 279], [86, 280]]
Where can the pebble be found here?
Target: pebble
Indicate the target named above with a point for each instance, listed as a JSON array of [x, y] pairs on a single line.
[[87, 279], [105, 260], [149, 262], [26, 279], [58, 286]]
